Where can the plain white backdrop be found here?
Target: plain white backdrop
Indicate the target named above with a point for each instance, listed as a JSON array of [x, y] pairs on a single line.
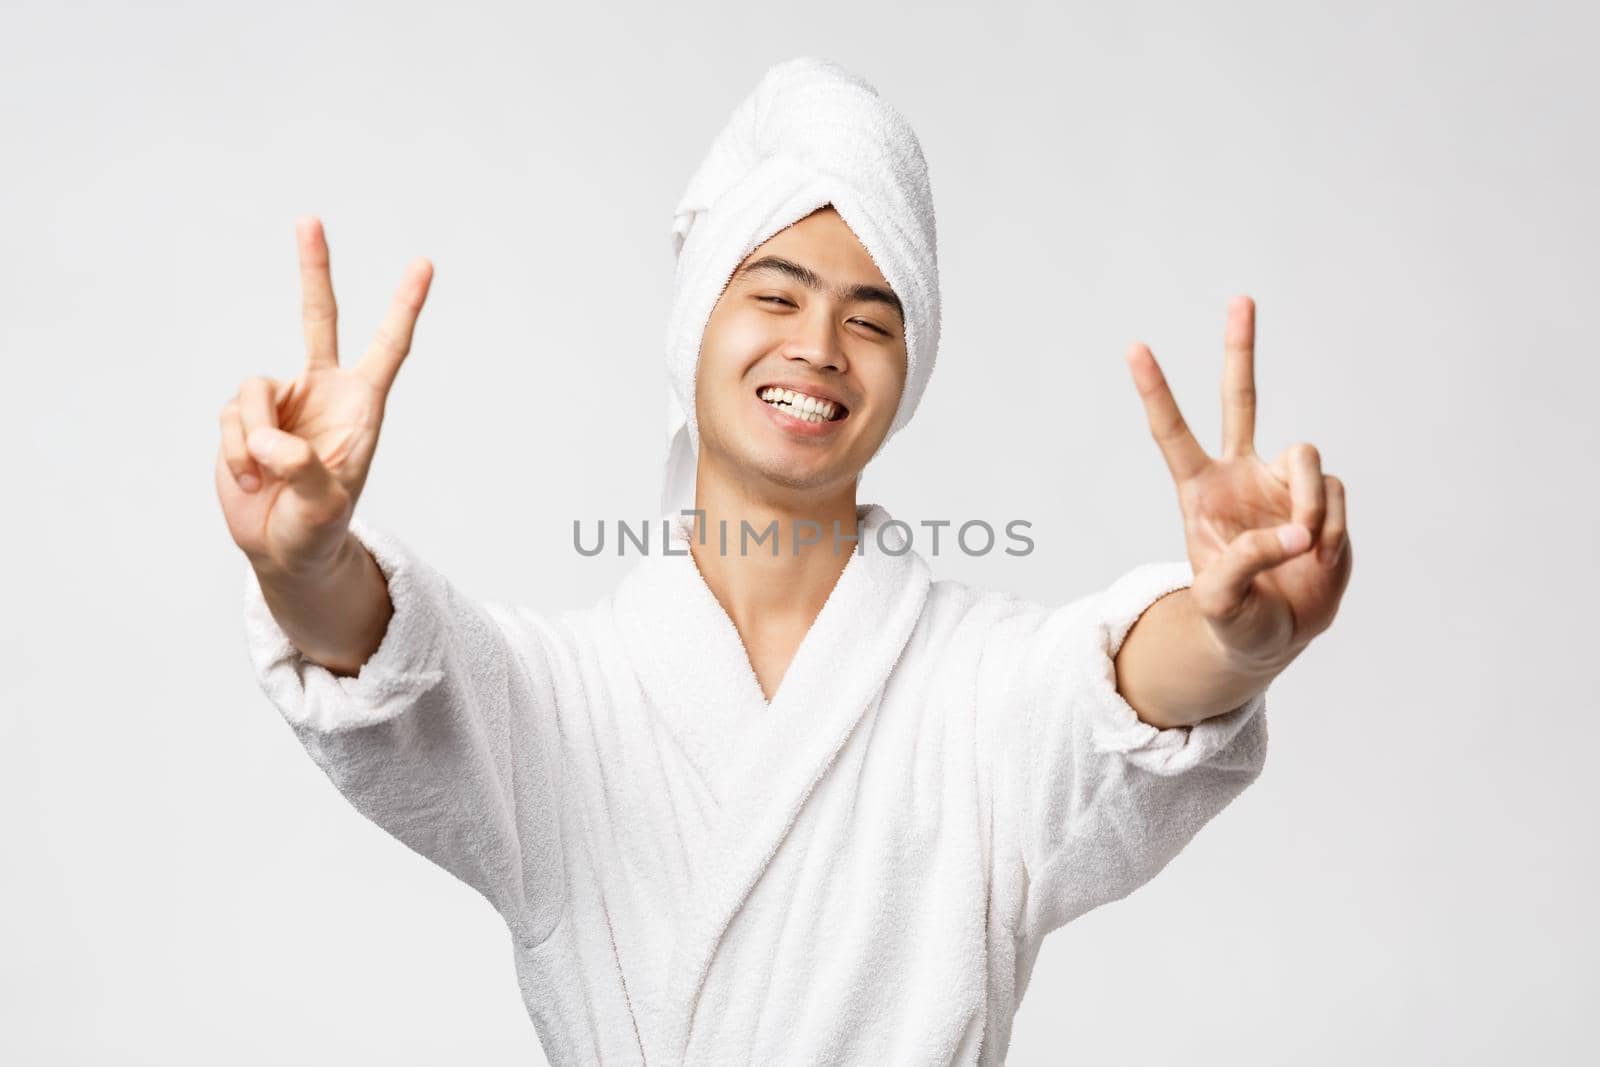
[[1406, 189]]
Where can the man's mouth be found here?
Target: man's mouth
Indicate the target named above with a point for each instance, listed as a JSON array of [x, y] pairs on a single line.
[[802, 405]]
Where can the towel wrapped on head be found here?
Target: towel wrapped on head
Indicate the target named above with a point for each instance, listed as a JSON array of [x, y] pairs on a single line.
[[810, 134]]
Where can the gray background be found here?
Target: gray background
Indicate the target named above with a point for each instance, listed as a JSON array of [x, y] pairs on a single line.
[[1406, 190]]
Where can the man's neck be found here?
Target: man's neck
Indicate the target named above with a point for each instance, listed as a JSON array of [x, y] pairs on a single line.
[[771, 596]]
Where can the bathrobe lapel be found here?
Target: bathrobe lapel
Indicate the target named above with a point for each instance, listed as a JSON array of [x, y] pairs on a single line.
[[760, 761]]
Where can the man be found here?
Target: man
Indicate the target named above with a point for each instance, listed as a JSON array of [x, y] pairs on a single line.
[[802, 803]]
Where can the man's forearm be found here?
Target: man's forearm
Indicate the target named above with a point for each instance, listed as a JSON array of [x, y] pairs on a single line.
[[337, 620], [1172, 672]]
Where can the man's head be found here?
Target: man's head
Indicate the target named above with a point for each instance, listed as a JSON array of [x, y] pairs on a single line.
[[814, 168], [808, 312]]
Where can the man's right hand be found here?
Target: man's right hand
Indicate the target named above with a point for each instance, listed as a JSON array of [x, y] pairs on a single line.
[[295, 453]]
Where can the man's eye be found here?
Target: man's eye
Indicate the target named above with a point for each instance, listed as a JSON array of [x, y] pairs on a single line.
[[864, 322]]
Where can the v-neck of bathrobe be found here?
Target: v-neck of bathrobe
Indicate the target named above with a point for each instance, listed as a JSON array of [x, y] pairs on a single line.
[[699, 674], [758, 760], [760, 707]]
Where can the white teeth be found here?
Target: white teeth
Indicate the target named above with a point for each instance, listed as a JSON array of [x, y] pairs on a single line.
[[801, 406]]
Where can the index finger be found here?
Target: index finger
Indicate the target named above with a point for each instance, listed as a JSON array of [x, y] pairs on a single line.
[[393, 341], [319, 314]]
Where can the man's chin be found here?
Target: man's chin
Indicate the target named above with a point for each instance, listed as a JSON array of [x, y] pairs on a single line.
[[791, 475], [769, 459]]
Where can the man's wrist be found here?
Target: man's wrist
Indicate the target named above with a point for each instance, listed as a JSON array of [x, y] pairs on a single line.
[[311, 574], [1175, 672]]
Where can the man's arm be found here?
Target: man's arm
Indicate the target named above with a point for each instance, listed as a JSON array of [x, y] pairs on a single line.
[[449, 736], [1172, 671], [336, 620], [1267, 543]]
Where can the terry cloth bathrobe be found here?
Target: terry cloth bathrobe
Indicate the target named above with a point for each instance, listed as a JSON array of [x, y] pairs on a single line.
[[860, 871]]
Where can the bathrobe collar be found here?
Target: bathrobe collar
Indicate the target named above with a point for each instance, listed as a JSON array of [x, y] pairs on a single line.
[[759, 760]]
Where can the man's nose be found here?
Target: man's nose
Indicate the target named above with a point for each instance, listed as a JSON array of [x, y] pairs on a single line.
[[816, 341]]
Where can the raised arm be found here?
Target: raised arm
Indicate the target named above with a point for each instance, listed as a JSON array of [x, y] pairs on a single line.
[[447, 738], [1268, 544], [294, 457], [435, 715]]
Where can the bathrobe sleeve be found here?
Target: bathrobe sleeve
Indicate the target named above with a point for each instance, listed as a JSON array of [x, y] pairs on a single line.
[[445, 738], [1103, 800]]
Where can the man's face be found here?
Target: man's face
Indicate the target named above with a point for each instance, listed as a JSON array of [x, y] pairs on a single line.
[[828, 327]]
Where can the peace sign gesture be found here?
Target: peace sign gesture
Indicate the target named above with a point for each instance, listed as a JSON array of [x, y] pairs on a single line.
[[1267, 542], [295, 452]]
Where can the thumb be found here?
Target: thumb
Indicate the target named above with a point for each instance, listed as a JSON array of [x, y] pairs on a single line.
[[292, 459], [1229, 578]]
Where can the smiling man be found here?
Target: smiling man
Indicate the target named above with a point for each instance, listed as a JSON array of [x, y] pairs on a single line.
[[799, 378], [797, 806]]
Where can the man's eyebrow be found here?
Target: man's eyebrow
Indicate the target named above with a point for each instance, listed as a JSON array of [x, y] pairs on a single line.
[[811, 280]]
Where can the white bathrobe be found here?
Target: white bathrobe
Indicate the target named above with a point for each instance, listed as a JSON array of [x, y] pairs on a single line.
[[861, 871]]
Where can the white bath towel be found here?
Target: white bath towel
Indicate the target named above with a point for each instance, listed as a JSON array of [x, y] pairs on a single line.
[[861, 871], [810, 133]]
